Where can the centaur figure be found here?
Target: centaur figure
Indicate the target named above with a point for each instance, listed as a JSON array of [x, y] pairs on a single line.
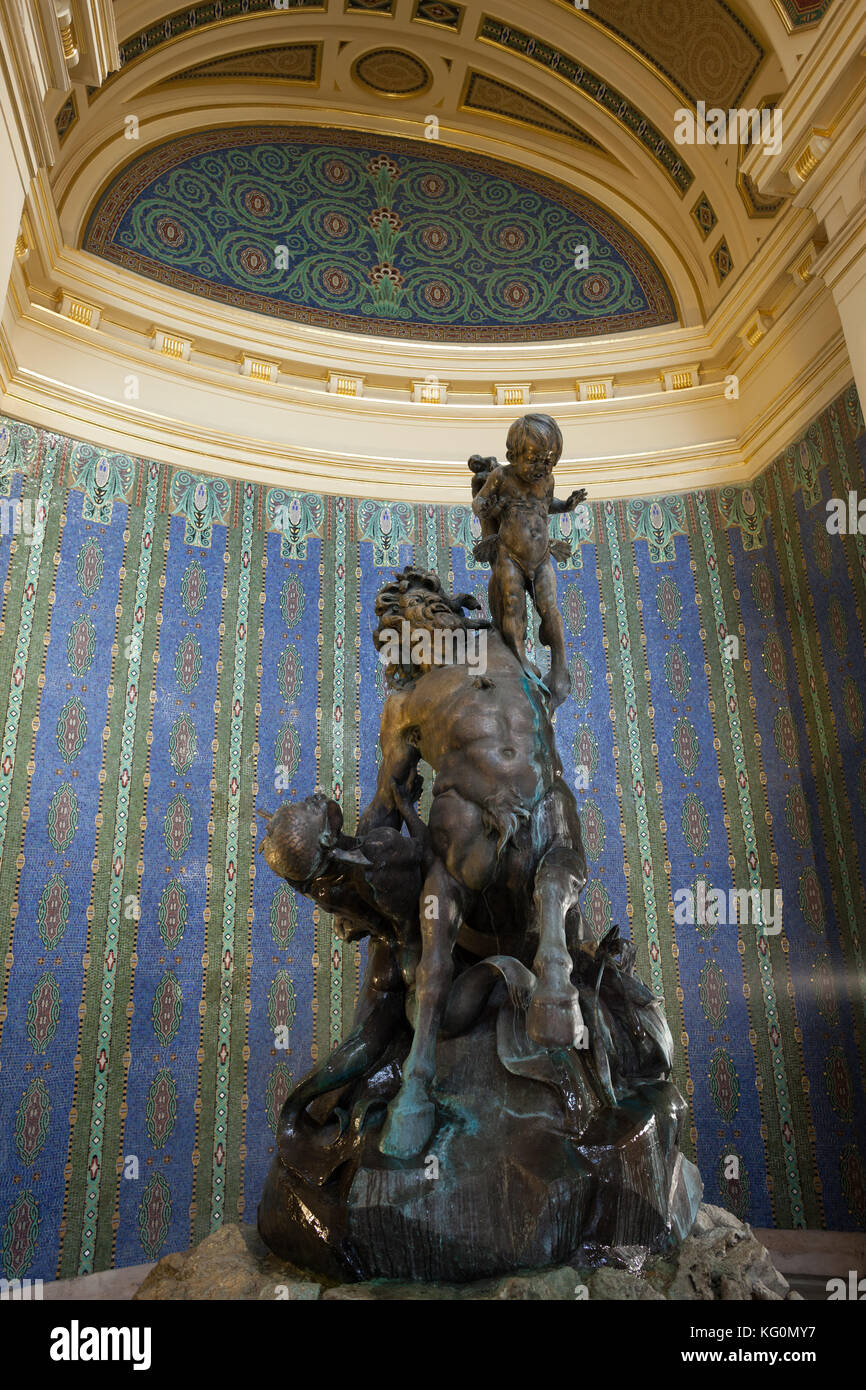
[[506, 859]]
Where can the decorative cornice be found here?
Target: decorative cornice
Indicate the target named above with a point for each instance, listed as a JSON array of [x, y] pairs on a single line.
[[829, 80], [170, 344], [78, 310], [340, 471], [258, 368], [757, 328]]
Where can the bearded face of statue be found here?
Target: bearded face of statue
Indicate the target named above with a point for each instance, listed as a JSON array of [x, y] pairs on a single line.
[[426, 633], [427, 611], [420, 626]]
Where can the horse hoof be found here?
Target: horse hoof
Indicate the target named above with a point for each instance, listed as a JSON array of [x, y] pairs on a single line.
[[559, 685], [555, 1021], [407, 1128]]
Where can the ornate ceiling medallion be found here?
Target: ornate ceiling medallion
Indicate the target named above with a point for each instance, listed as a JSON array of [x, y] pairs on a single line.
[[392, 72]]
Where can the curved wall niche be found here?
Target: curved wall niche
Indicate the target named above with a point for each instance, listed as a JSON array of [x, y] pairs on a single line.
[[377, 235]]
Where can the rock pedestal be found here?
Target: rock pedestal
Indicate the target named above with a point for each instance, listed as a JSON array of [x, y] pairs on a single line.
[[719, 1261], [523, 1171]]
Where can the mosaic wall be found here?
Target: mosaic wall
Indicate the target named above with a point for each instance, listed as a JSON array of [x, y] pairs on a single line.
[[170, 661], [385, 236]]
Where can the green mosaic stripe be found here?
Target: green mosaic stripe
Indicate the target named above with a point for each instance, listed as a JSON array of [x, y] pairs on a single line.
[[323, 933], [431, 538], [31, 562], [856, 568], [116, 1109], [36, 610], [617, 713], [635, 818], [239, 1062], [659, 856], [86, 1053], [630, 706], [627, 804], [338, 773], [776, 948], [351, 721], [232, 863], [97, 1154], [776, 1026], [427, 554], [821, 730], [200, 1211], [640, 721]]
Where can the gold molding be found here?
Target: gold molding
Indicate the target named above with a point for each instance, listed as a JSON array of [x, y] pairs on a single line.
[[78, 310], [170, 345], [261, 369], [67, 39], [345, 384], [811, 153], [512, 393]]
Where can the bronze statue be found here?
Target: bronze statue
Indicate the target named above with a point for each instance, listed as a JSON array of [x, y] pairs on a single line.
[[517, 501], [492, 1038]]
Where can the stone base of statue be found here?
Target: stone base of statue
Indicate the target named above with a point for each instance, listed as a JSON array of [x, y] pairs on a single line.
[[525, 1169]]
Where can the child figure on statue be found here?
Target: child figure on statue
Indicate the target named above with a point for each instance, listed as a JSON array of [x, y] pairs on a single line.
[[513, 506]]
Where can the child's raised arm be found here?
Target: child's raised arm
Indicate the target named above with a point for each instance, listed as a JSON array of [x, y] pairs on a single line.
[[573, 500], [488, 500]]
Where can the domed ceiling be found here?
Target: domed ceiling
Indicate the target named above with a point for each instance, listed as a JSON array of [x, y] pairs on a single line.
[[376, 235]]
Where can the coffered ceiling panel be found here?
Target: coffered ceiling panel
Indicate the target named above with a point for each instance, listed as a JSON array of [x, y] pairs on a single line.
[[284, 62], [702, 46], [485, 93]]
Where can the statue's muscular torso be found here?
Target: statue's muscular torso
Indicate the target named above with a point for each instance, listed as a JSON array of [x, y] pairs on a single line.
[[478, 733]]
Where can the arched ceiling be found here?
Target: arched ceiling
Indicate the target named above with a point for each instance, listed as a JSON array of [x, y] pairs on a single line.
[[587, 98], [563, 113], [370, 235]]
